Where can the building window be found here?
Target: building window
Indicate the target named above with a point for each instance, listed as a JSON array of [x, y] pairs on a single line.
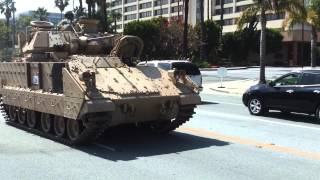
[[130, 17], [145, 5], [242, 8], [225, 11], [145, 14], [158, 11], [119, 26], [174, 1], [119, 10], [271, 17], [224, 2], [175, 9], [129, 1], [130, 8], [227, 22], [160, 2], [116, 3]]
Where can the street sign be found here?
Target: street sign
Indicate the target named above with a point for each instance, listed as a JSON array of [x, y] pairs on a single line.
[[222, 72]]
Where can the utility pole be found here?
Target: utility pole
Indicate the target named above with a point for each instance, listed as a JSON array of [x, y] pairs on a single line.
[[302, 40], [178, 10], [160, 8], [13, 26]]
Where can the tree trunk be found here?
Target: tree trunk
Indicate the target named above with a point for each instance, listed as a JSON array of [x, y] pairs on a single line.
[[314, 38], [93, 9], [115, 25], [61, 15], [208, 9], [89, 3], [262, 79], [185, 29], [221, 15], [203, 45], [81, 6], [104, 12], [8, 33], [178, 10]]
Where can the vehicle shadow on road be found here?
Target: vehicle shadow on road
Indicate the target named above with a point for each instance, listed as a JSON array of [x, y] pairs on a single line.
[[296, 117], [126, 145]]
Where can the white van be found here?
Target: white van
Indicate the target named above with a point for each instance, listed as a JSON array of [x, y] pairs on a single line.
[[191, 69]]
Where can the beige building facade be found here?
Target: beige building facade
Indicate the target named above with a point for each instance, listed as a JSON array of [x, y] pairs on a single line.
[[296, 40]]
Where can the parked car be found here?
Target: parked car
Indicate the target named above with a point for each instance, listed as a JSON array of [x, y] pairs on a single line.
[[191, 69], [294, 92]]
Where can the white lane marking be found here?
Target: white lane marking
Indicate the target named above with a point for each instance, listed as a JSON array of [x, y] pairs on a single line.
[[105, 147], [248, 118]]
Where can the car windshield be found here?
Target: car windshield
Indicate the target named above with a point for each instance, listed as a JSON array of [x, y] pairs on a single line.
[[291, 79], [191, 69], [164, 66]]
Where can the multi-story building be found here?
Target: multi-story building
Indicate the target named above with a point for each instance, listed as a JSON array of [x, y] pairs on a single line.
[[146, 9], [294, 42]]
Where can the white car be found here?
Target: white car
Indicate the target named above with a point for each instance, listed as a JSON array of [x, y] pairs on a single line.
[[191, 69]]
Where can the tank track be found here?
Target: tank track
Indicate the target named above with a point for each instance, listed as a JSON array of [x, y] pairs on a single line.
[[94, 127], [184, 115]]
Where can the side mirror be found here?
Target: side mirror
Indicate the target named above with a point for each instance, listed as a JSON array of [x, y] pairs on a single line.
[[272, 84]]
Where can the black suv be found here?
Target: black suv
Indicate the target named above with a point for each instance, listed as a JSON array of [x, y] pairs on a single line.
[[293, 92]]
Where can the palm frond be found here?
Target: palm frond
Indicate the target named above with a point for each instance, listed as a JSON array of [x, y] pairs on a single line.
[[313, 18], [291, 6], [292, 19], [247, 15]]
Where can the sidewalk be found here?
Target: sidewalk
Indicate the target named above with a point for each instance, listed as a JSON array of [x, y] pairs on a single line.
[[228, 68], [236, 88]]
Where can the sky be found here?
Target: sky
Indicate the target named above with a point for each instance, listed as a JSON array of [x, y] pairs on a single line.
[[26, 5]]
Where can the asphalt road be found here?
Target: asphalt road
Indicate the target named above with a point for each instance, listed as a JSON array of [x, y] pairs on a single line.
[[222, 141]]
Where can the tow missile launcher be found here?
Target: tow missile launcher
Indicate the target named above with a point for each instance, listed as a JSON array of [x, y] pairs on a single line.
[[73, 83]]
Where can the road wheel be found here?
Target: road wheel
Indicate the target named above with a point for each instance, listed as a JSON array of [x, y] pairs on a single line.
[[22, 116], [13, 114], [32, 118], [46, 122], [59, 126], [255, 106], [74, 129]]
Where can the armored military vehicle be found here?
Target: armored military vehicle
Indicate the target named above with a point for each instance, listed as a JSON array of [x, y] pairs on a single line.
[[73, 83]]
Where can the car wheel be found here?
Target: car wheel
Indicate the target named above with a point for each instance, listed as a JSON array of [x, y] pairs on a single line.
[[256, 106]]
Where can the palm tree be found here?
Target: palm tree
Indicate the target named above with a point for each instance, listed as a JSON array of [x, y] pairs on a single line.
[[6, 9], [311, 17], [90, 4], [261, 7], [203, 45], [80, 7], [208, 9], [115, 16], [103, 10], [40, 14], [185, 29], [61, 4], [221, 16]]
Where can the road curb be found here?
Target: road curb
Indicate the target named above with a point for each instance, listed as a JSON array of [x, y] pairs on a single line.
[[215, 69]]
